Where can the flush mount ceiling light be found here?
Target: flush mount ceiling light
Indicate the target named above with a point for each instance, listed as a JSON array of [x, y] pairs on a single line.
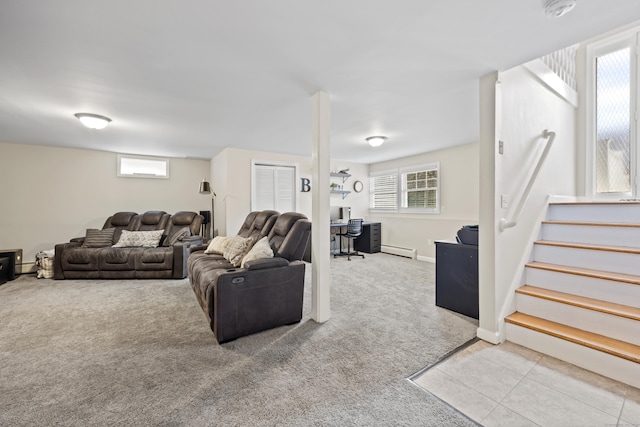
[[557, 8], [93, 121], [376, 141]]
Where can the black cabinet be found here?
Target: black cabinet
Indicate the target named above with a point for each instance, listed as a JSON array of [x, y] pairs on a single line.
[[369, 240], [457, 278]]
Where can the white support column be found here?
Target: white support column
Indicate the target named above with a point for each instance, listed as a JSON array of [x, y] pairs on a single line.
[[489, 126], [320, 231]]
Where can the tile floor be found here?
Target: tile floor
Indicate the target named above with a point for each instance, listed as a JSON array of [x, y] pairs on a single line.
[[509, 385]]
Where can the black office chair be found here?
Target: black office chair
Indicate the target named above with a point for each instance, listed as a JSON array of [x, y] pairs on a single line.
[[354, 229]]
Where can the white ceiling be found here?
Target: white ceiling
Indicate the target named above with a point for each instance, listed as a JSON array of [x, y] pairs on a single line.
[[189, 78]]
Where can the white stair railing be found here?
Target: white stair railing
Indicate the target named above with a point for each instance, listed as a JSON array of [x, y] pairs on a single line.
[[504, 224]]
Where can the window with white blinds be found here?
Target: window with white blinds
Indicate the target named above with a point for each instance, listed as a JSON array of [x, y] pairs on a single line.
[[419, 189], [273, 187], [414, 189], [383, 191]]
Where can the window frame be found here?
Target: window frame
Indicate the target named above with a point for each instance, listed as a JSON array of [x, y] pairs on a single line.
[[400, 199], [121, 157], [626, 39], [403, 193], [372, 187]]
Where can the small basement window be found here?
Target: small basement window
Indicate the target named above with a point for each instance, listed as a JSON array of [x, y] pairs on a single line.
[[142, 166]]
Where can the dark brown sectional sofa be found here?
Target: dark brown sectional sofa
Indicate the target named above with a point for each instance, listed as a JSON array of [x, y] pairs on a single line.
[[265, 293], [74, 260]]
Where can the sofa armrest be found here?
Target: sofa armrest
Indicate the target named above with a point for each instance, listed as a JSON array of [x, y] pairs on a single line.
[[191, 240], [58, 274], [259, 264], [243, 302], [197, 248]]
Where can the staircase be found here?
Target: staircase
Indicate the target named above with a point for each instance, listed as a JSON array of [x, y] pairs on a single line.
[[581, 298]]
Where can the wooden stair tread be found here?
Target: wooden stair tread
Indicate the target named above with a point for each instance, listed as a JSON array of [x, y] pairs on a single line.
[[598, 274], [623, 249], [598, 342], [620, 310], [592, 224]]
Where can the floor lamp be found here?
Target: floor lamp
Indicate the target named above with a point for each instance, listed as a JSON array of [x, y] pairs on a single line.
[[205, 188]]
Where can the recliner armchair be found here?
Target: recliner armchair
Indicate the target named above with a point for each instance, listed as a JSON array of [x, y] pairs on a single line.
[[266, 293]]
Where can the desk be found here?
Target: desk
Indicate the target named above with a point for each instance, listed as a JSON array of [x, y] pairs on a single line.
[[368, 242], [457, 277]]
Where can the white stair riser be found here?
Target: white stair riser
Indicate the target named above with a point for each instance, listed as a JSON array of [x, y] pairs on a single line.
[[598, 235], [602, 363], [590, 287], [618, 262], [623, 213], [616, 327]]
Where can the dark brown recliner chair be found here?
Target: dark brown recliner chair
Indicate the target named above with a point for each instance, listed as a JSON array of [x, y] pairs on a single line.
[[265, 294]]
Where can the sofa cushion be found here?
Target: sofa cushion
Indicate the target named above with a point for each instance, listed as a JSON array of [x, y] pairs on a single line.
[[176, 235], [217, 245], [98, 238], [82, 259], [236, 249], [262, 249], [122, 219], [117, 259], [154, 259], [144, 239]]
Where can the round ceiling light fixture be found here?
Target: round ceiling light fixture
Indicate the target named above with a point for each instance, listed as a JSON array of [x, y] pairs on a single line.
[[558, 8], [376, 141], [93, 121]]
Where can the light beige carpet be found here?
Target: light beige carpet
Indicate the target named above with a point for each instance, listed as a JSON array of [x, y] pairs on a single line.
[[126, 352]]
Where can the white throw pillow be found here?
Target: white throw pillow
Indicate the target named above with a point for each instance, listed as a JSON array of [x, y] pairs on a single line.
[[139, 239], [262, 249], [237, 248], [217, 245]]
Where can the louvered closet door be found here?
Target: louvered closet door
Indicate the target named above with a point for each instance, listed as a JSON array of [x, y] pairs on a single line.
[[273, 188]]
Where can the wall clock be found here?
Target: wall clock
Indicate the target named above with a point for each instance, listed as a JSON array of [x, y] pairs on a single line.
[[358, 186]]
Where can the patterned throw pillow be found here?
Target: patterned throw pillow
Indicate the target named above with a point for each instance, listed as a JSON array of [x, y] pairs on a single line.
[[217, 245], [262, 249], [176, 236], [237, 249], [137, 239], [98, 238]]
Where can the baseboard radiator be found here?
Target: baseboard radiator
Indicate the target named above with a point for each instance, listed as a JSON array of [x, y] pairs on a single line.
[[397, 250]]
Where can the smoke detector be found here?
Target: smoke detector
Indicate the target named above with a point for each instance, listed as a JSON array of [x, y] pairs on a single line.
[[557, 8]]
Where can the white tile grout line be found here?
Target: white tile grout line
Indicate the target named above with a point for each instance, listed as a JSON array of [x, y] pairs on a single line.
[[577, 398]]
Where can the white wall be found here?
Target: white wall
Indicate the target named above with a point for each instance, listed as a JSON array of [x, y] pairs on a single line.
[[524, 108], [219, 170], [459, 171], [50, 195], [231, 171]]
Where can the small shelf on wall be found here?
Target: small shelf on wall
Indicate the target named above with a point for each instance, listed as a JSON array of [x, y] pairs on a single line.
[[343, 193], [345, 176]]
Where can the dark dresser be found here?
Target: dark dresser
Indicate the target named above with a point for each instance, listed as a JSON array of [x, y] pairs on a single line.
[[369, 240], [457, 277]]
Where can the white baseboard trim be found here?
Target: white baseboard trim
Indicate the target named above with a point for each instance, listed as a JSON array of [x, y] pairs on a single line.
[[489, 336], [26, 268], [426, 259]]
